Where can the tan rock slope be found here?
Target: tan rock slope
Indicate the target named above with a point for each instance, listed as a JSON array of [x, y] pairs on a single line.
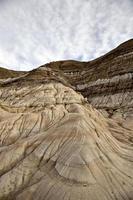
[[107, 82], [54, 145]]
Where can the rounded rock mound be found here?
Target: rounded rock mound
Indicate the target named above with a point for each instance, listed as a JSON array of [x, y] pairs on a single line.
[[55, 146]]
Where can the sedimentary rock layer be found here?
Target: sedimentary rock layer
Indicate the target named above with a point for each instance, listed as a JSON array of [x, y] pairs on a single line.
[[54, 145], [107, 82]]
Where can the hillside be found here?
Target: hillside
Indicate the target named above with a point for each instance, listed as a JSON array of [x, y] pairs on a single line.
[[66, 130]]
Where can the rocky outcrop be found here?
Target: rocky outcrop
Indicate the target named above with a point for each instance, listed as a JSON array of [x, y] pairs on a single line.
[[107, 82], [54, 145]]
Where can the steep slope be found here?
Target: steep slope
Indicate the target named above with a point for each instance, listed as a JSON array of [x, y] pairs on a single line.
[[107, 82], [54, 145]]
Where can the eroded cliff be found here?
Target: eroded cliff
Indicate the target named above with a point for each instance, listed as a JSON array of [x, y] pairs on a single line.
[[107, 82], [54, 145]]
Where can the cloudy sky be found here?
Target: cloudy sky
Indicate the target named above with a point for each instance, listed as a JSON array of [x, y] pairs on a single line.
[[34, 32]]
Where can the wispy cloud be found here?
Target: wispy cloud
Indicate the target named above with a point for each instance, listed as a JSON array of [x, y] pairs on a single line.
[[34, 32]]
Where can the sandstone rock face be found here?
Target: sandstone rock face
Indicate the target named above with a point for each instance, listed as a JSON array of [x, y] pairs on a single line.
[[107, 82], [54, 145]]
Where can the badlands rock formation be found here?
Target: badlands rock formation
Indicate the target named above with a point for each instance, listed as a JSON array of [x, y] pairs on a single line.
[[107, 82], [66, 130]]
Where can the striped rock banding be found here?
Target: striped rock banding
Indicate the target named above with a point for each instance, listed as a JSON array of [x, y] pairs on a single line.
[[61, 138]]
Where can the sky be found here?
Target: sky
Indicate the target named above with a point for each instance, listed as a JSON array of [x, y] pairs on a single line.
[[35, 32]]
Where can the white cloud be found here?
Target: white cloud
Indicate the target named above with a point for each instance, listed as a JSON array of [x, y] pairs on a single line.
[[34, 32]]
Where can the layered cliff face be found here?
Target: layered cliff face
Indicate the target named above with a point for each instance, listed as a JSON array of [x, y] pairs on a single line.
[[54, 145], [107, 82]]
